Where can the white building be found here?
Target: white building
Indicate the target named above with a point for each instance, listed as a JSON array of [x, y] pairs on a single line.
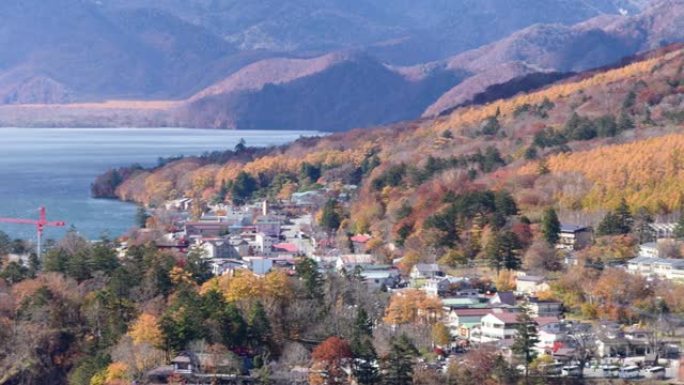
[[540, 308], [664, 268], [349, 262], [425, 271], [259, 265], [436, 286], [498, 326], [376, 277], [218, 249], [263, 244], [226, 266], [649, 250], [662, 230], [530, 284]]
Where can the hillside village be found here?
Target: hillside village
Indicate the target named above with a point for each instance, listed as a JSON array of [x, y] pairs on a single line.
[[263, 236], [472, 253]]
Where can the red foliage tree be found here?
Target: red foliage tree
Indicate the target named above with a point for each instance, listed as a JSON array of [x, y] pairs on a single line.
[[329, 361]]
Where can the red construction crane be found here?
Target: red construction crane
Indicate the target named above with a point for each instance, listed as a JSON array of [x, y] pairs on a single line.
[[40, 224]]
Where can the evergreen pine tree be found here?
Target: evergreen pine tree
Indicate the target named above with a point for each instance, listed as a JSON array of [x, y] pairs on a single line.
[[609, 225], [398, 365], [259, 327], [141, 217], [525, 339], [624, 216], [241, 146], [233, 327], [551, 226], [510, 247], [307, 270], [679, 229], [625, 122], [491, 126], [182, 321], [242, 188], [365, 361], [363, 326], [331, 218], [5, 244], [502, 251], [618, 222]]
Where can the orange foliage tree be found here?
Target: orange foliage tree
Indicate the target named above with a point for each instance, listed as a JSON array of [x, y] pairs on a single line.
[[413, 306], [331, 361]]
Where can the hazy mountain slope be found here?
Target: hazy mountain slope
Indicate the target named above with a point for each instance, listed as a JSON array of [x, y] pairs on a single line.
[[47, 39], [71, 45], [401, 31], [271, 71], [265, 94], [334, 92], [176, 49], [555, 47]]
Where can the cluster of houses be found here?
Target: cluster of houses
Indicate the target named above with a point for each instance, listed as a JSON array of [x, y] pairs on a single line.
[[652, 261], [261, 237], [256, 237], [475, 319]]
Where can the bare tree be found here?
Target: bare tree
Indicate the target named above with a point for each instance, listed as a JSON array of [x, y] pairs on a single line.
[[583, 341]]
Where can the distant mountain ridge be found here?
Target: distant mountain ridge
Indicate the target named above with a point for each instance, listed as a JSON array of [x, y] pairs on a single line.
[[399, 31], [183, 54], [559, 48], [333, 93]]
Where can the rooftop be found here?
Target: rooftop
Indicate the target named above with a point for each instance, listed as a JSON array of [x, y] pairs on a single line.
[[507, 318], [573, 228], [356, 259], [289, 247], [426, 267], [361, 238], [531, 278]]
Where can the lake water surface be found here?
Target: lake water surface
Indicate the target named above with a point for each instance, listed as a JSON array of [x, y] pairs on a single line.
[[55, 167]]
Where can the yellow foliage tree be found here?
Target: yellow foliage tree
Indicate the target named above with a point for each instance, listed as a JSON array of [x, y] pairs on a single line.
[[246, 286], [146, 330], [115, 374], [505, 281], [180, 276], [440, 334], [647, 173], [276, 284]]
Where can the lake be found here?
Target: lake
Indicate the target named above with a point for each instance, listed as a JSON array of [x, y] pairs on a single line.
[[55, 167]]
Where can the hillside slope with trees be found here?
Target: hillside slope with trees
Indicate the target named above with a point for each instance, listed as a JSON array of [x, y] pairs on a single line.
[[416, 178]]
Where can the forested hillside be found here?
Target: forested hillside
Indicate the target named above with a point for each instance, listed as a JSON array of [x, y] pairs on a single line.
[[531, 146]]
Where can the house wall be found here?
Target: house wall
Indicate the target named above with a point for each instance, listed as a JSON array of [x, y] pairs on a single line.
[[545, 309], [492, 329]]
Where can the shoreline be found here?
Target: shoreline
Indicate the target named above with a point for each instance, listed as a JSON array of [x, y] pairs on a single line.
[[38, 167]]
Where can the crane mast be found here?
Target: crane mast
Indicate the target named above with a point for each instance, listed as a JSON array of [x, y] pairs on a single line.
[[41, 223]]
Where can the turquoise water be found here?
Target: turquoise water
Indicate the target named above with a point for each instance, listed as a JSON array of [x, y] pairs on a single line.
[[55, 167]]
